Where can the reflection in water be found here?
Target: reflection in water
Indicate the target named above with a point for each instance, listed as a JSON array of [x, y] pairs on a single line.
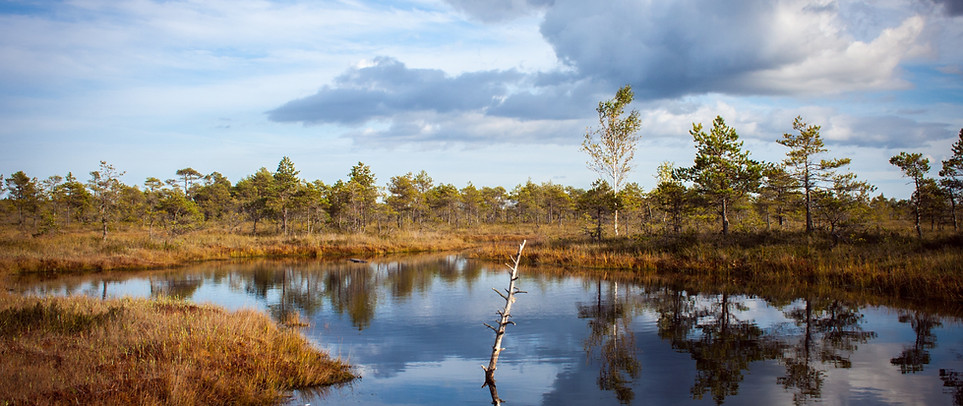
[[830, 334], [912, 359], [412, 328], [171, 285], [954, 381], [609, 332], [723, 347]]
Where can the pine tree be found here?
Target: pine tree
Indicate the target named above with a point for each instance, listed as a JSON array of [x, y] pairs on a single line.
[[914, 166], [722, 170], [803, 166]]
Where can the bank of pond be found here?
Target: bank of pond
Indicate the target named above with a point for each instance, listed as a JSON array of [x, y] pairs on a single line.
[[412, 329]]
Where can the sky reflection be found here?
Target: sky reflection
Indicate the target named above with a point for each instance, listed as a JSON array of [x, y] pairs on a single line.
[[413, 329]]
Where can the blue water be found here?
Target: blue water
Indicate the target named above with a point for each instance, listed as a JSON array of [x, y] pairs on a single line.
[[412, 328]]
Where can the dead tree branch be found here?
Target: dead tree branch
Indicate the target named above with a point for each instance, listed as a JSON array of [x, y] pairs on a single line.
[[504, 320]]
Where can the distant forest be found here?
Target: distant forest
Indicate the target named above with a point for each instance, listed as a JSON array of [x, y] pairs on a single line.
[[804, 192]]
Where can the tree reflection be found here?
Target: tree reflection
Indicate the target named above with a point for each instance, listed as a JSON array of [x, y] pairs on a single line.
[[830, 334], [912, 359], [350, 288], [953, 380], [724, 349], [174, 286], [610, 333], [724, 346]]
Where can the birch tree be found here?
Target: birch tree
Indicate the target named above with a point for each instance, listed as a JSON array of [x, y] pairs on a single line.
[[611, 146]]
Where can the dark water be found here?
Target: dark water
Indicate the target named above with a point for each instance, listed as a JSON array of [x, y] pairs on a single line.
[[413, 329]]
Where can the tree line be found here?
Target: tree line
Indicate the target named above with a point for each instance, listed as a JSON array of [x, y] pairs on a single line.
[[722, 186]]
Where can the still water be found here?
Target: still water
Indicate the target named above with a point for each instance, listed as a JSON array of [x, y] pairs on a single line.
[[413, 329]]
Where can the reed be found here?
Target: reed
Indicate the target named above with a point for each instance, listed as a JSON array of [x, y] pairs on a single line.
[[899, 266], [78, 350], [84, 251]]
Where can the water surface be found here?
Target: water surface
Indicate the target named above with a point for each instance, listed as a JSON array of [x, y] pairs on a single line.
[[413, 329]]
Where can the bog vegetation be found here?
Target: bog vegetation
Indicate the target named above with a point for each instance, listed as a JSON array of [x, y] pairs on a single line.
[[81, 350], [725, 205], [805, 222]]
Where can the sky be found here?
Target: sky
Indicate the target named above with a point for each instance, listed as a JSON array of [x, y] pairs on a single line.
[[494, 93]]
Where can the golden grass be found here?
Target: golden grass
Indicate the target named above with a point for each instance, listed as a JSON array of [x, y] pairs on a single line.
[[84, 251], [898, 266], [882, 261], [79, 350]]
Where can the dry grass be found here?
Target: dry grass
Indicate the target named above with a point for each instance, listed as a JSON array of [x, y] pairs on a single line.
[[84, 251], [78, 350], [882, 261], [893, 265]]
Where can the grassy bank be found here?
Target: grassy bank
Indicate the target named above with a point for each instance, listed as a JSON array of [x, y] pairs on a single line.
[[82, 351], [890, 265], [887, 263], [85, 251]]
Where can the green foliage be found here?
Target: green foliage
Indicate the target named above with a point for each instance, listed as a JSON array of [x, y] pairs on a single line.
[[25, 196], [598, 202], [777, 194], [915, 167], [189, 176], [803, 166], [722, 182], [286, 185], [611, 154], [105, 186], [722, 170], [214, 198], [952, 174], [180, 214], [404, 199], [845, 205], [253, 194]]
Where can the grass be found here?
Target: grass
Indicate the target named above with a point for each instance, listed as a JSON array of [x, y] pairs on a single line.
[[888, 265], [85, 251], [79, 350], [882, 262]]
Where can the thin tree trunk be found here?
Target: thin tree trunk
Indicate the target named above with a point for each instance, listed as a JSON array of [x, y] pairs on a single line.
[[953, 211], [916, 211], [616, 221], [809, 201], [725, 217]]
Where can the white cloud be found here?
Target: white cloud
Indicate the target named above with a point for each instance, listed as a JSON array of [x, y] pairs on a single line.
[[746, 47], [844, 67]]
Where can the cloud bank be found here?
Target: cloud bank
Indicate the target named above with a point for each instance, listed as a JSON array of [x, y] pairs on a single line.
[[665, 50]]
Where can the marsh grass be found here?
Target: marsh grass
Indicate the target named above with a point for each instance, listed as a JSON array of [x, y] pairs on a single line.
[[85, 251], [894, 265], [78, 350]]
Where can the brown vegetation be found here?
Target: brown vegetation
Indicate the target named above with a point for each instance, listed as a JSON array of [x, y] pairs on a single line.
[[85, 251], [82, 351], [892, 265]]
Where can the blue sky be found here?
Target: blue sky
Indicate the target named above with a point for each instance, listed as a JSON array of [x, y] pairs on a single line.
[[493, 92]]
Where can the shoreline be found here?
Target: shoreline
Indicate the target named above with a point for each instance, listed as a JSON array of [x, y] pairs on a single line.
[[899, 266]]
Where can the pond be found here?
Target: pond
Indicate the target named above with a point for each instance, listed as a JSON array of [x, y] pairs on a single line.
[[413, 328]]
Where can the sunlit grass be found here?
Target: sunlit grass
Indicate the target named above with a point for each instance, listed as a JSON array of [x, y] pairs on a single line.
[[889, 265], [79, 350], [882, 260], [85, 251]]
